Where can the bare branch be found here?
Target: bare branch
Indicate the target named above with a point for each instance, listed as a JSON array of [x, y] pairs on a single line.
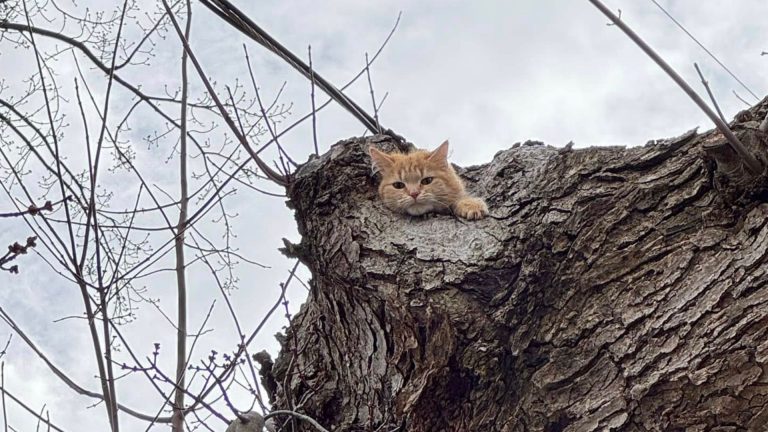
[[312, 97], [741, 99], [5, 408], [709, 92], [373, 96]]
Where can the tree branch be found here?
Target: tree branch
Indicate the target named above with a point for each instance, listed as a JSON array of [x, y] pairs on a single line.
[[709, 92], [181, 279]]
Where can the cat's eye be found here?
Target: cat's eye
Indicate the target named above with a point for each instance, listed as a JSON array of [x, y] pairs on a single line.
[[398, 185], [426, 180]]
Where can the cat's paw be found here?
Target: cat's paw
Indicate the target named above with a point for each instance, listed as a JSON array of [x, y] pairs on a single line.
[[470, 208]]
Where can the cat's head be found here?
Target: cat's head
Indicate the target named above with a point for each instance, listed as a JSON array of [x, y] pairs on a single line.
[[418, 182]]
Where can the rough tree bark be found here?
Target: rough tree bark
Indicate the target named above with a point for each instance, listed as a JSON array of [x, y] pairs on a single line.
[[612, 289]]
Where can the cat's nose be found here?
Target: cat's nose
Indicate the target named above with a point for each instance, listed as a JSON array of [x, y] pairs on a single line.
[[414, 194]]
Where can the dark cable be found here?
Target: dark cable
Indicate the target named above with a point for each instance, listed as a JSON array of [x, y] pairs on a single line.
[[237, 19]]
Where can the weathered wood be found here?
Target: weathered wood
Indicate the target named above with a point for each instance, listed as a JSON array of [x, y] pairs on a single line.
[[612, 289]]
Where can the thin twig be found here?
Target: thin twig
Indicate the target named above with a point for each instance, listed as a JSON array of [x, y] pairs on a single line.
[[741, 99], [709, 92], [373, 97], [80, 198], [750, 162], [5, 409], [378, 108], [256, 389], [166, 398], [312, 96], [14, 251], [40, 418]]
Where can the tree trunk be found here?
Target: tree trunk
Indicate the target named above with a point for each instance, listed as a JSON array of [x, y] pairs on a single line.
[[612, 289]]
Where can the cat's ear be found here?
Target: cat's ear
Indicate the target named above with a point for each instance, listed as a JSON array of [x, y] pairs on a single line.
[[440, 154], [381, 161]]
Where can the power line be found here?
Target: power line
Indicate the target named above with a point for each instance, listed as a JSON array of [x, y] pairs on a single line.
[[704, 48], [239, 20]]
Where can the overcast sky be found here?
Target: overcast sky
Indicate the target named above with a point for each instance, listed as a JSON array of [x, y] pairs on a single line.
[[483, 74]]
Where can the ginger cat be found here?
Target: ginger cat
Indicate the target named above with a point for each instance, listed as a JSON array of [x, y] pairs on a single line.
[[424, 181]]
